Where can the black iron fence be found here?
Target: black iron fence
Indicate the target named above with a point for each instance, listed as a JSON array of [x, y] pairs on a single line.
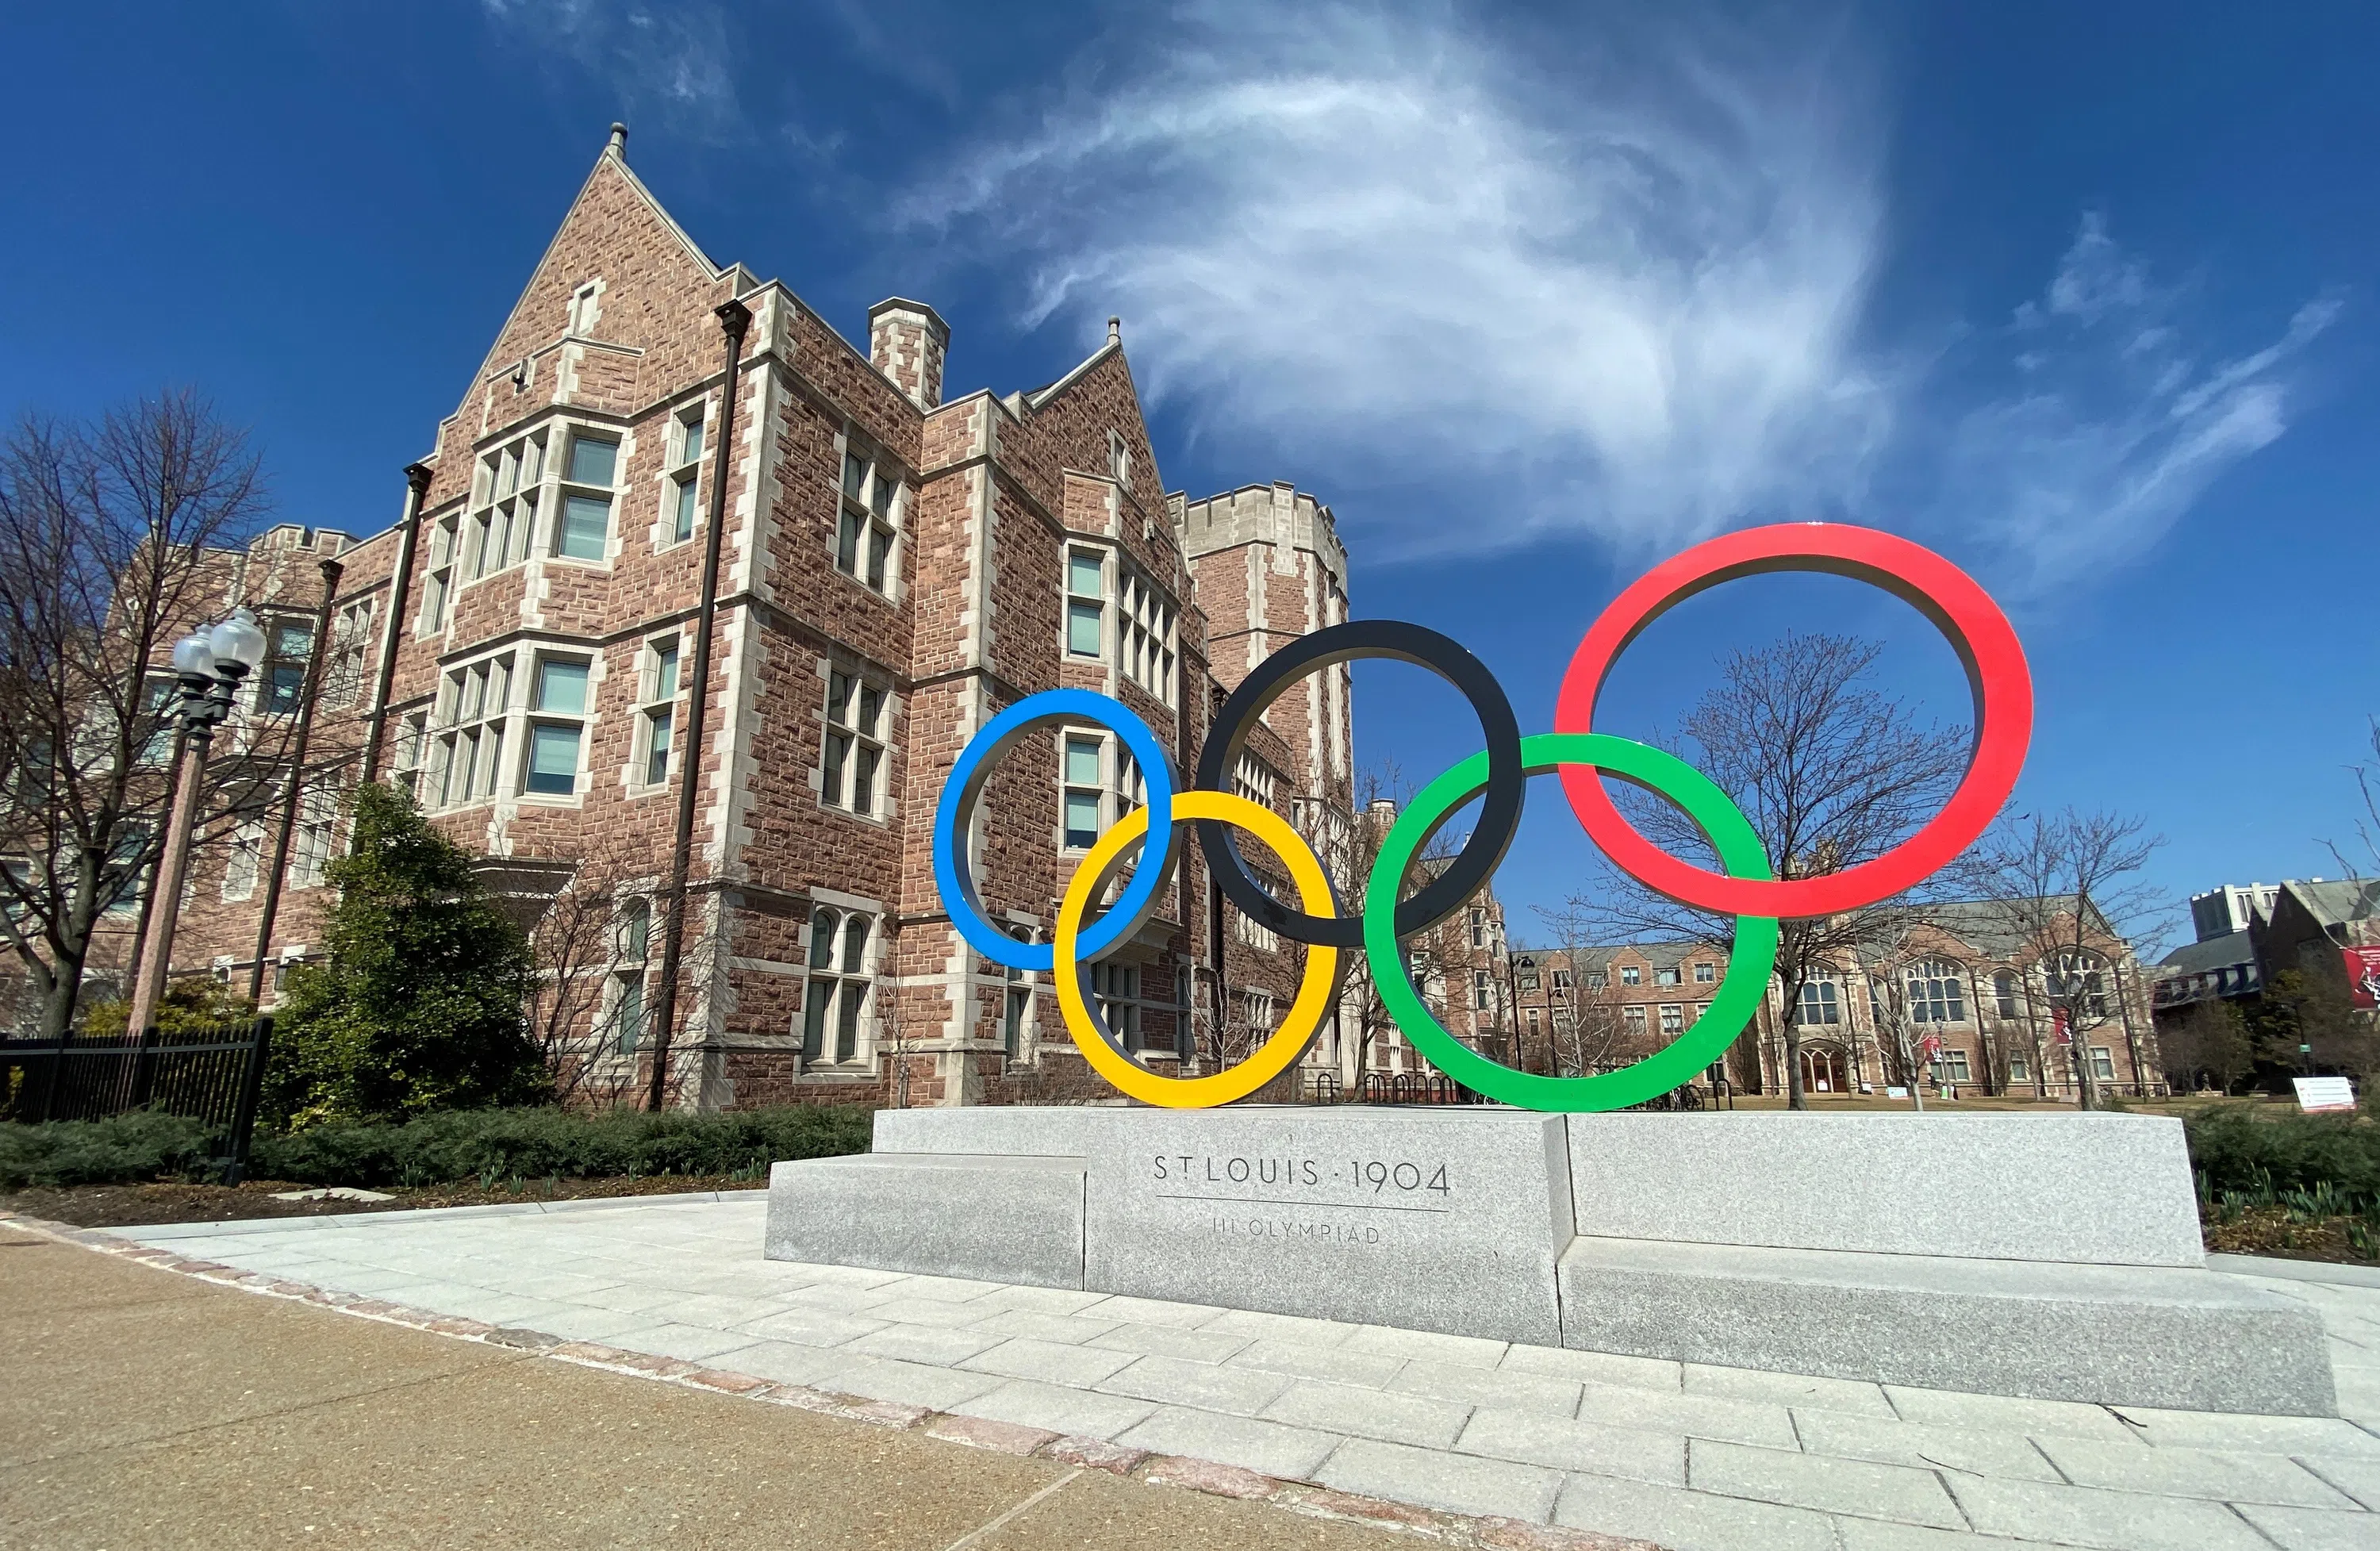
[[212, 1072]]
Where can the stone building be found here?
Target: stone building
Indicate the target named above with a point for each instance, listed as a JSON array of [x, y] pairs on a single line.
[[1957, 973], [897, 565]]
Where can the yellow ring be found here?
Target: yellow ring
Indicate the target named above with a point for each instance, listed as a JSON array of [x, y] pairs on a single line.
[[1305, 1014]]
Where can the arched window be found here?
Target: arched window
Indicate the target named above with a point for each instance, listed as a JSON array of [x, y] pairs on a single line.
[[2006, 993], [635, 925], [1937, 992], [1821, 1003], [835, 1001]]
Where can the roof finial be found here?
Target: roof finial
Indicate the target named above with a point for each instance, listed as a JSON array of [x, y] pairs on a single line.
[[1115, 331], [619, 146]]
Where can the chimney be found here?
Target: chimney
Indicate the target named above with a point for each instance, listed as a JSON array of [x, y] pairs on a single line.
[[906, 340], [619, 146]]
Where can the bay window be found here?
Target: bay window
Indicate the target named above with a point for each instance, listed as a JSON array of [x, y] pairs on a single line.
[[557, 729], [584, 528]]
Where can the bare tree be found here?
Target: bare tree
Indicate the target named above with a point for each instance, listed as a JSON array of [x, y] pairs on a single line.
[[898, 1037], [1885, 958], [1830, 770], [2067, 886], [1590, 1031], [106, 539], [2208, 1043], [2352, 861], [589, 949], [1350, 850]]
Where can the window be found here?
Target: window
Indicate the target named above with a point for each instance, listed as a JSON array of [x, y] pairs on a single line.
[[583, 311], [871, 511], [554, 745], [470, 748], [1483, 990], [438, 591], [507, 488], [836, 1000], [1937, 993], [412, 744], [2004, 992], [1705, 973], [635, 937], [2074, 980], [1632, 1020], [1562, 980], [854, 742], [1016, 1010], [660, 709], [683, 491], [1144, 634], [1478, 927], [584, 532], [154, 732], [1086, 603], [1666, 976], [2103, 1063], [1533, 1020], [1596, 980], [1528, 977], [343, 677], [1631, 976], [318, 821], [1117, 989], [125, 872], [1954, 1066], [240, 869], [1082, 792], [1821, 1003], [1251, 779], [1259, 1011], [1119, 459], [1673, 1018], [2018, 1071], [281, 683]]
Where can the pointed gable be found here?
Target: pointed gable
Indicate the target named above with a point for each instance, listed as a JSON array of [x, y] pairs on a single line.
[[617, 308]]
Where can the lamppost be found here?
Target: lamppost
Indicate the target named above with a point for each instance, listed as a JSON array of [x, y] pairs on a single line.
[[211, 664]]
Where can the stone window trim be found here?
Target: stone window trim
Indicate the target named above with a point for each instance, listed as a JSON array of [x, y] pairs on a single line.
[[857, 716], [683, 478], [496, 715], [1099, 782], [508, 492], [578, 491], [627, 997], [1083, 627], [441, 540], [836, 1025], [586, 309], [655, 753], [867, 542], [351, 647]]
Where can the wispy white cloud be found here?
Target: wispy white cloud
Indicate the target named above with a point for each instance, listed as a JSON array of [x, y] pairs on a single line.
[[668, 59], [2118, 421], [1618, 296]]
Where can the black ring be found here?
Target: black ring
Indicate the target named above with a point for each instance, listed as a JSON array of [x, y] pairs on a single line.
[[1500, 812]]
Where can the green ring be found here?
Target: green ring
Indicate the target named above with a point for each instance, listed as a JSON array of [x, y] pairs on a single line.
[[1739, 991]]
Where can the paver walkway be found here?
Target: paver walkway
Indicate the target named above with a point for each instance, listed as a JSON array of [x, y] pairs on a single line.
[[1687, 1456]]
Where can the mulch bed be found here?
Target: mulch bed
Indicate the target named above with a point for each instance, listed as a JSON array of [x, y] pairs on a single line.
[[2271, 1231], [133, 1205]]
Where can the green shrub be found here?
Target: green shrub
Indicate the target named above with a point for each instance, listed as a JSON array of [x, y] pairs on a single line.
[[485, 1145], [140, 1146], [418, 1008], [2234, 1150], [192, 1001], [491, 1144]]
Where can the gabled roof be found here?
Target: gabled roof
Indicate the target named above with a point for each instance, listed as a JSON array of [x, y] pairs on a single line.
[[2336, 902], [2216, 952]]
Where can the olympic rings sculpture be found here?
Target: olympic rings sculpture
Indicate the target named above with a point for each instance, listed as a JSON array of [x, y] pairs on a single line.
[[1977, 631]]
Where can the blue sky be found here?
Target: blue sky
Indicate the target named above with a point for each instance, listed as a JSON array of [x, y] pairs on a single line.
[[2083, 297]]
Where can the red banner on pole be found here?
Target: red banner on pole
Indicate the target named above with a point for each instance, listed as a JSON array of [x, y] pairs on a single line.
[[2363, 976]]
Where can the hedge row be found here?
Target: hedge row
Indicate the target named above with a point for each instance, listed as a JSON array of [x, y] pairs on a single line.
[[488, 1144], [2234, 1150], [2230, 1148]]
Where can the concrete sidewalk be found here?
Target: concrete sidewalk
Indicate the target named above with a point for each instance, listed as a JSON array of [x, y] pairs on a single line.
[[148, 1409]]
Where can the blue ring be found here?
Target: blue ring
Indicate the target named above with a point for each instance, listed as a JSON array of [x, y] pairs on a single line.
[[974, 767]]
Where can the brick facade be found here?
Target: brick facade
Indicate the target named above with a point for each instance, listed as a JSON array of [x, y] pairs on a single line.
[[895, 569]]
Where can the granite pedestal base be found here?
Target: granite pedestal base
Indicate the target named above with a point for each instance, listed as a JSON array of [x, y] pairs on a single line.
[[2065, 1264]]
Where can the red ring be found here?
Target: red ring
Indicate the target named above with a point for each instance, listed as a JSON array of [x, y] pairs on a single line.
[[1963, 611]]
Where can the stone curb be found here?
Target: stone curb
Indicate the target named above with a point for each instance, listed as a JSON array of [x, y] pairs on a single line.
[[1305, 1498]]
